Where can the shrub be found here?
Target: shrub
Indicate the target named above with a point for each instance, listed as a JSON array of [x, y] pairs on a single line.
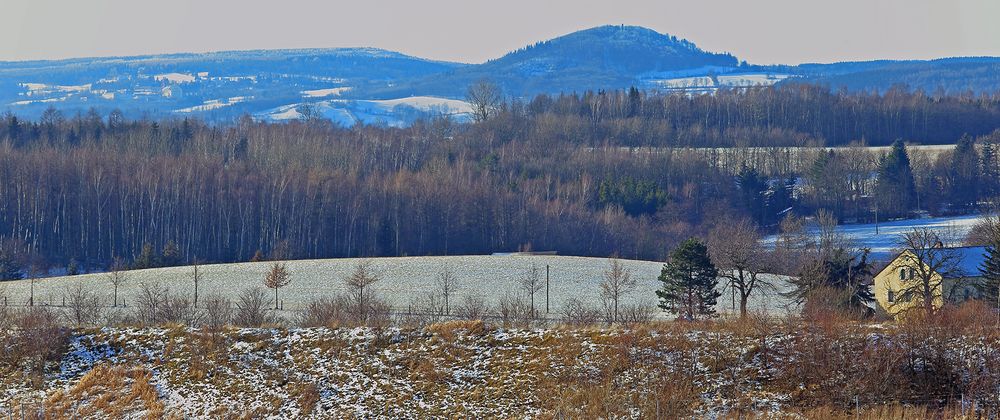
[[251, 309], [471, 308], [218, 312], [331, 312], [577, 314]]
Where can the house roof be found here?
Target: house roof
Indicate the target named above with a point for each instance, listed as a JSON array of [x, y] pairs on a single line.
[[970, 259]]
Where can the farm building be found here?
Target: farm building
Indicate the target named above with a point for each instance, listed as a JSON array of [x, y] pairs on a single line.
[[945, 274]]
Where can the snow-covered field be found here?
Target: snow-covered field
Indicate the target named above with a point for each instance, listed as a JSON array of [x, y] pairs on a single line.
[[404, 280], [886, 242], [319, 93], [708, 84], [391, 112]]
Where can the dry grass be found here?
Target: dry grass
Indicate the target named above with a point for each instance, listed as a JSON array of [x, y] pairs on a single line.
[[108, 391], [814, 367]]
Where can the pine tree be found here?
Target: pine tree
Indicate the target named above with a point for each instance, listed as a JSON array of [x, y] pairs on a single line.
[[990, 172], [991, 275], [171, 255], [895, 188], [689, 282], [146, 259], [10, 269], [73, 267], [964, 174]]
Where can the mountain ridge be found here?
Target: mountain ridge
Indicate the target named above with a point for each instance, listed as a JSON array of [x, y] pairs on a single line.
[[271, 84]]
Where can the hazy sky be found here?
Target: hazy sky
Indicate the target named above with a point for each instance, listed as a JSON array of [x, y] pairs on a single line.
[[763, 32]]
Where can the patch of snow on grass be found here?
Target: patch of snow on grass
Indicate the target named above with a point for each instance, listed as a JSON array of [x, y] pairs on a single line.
[[174, 77], [319, 93]]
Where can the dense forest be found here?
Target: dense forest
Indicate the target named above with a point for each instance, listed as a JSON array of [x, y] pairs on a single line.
[[557, 173]]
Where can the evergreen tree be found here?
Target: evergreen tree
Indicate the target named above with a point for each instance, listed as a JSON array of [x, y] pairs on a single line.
[[146, 259], [10, 268], [991, 275], [171, 255], [73, 267], [990, 268], [964, 174], [753, 189], [989, 186], [840, 270], [894, 188], [689, 281]]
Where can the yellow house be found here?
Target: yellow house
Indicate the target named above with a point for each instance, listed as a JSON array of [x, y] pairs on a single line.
[[898, 287]]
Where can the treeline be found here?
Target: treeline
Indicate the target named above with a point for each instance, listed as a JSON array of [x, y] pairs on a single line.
[[92, 191], [89, 188], [785, 115]]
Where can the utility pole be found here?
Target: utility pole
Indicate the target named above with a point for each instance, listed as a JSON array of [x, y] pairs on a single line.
[[546, 288], [876, 216]]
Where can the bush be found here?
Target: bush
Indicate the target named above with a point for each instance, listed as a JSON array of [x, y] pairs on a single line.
[[514, 311], [155, 305], [218, 312], [37, 340], [471, 308], [578, 314], [331, 313], [252, 309]]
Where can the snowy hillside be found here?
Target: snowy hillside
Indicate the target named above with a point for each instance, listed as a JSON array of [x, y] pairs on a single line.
[[405, 280], [222, 86]]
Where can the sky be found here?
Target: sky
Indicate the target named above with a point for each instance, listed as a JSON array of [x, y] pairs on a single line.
[[472, 31]]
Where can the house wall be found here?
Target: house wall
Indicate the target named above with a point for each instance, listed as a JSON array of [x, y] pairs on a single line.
[[888, 280]]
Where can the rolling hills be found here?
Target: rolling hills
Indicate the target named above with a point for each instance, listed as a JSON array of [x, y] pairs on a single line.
[[345, 84]]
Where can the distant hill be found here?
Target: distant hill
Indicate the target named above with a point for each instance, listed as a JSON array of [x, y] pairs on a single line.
[[373, 86], [602, 57]]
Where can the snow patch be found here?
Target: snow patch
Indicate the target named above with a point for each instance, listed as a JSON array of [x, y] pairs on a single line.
[[319, 93], [174, 77]]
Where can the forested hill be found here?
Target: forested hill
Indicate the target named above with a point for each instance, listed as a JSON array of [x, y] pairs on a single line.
[[606, 57], [598, 174], [378, 87]]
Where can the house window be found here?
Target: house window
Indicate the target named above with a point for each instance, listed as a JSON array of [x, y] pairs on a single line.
[[902, 273], [892, 296]]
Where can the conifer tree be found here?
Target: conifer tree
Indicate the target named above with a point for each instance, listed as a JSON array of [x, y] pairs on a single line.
[[964, 173], [895, 188], [689, 281], [171, 255], [991, 275], [990, 267], [10, 269], [990, 172], [146, 259]]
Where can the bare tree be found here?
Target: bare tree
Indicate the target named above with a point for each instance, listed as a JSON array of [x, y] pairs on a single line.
[[251, 309], [218, 312], [117, 277], [531, 282], [829, 238], [576, 313], [84, 307], [617, 282], [276, 278], [472, 308], [447, 283], [360, 282], [485, 98], [196, 277], [929, 263], [736, 249]]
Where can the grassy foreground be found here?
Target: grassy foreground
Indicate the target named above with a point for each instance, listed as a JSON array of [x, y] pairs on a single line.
[[804, 368]]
